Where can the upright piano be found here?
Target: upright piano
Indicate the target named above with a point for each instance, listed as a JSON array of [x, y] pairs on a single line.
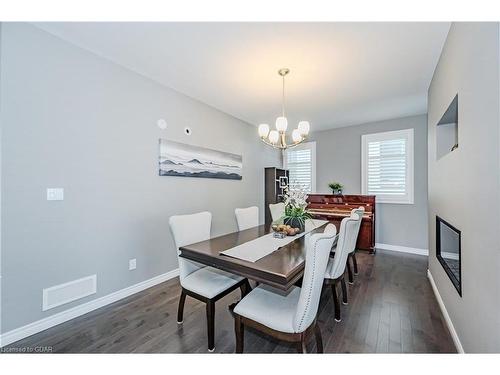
[[335, 207]]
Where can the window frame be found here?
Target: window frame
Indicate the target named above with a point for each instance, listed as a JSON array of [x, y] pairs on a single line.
[[310, 145], [408, 135]]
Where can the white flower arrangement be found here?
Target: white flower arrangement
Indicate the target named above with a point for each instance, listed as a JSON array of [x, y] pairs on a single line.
[[295, 196], [295, 199]]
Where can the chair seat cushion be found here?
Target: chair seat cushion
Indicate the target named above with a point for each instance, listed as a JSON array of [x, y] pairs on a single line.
[[271, 307], [209, 281]]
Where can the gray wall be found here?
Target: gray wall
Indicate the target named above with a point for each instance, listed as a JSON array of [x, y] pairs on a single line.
[[74, 120], [338, 158], [1, 26], [464, 185]]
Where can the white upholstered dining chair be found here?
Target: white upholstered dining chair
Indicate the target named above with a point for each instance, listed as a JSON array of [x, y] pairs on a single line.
[[204, 283], [336, 266], [277, 210], [291, 315], [352, 253], [247, 217]]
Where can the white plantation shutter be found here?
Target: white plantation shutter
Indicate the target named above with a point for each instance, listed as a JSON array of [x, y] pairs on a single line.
[[301, 164], [387, 166]]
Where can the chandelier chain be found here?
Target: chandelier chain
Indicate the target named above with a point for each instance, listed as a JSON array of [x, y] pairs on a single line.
[[283, 98]]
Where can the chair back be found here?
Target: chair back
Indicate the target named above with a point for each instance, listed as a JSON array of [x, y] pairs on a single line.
[[188, 229], [317, 254], [360, 211], [247, 217], [346, 241], [277, 210]]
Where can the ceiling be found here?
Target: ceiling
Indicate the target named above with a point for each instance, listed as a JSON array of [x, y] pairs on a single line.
[[341, 73]]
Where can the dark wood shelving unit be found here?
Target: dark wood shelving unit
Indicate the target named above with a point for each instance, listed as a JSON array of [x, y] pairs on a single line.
[[275, 181]]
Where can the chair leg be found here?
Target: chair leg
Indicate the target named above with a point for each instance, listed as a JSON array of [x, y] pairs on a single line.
[[239, 330], [355, 263], [301, 346], [319, 339], [180, 311], [344, 291], [336, 302], [245, 289], [349, 271], [211, 325]]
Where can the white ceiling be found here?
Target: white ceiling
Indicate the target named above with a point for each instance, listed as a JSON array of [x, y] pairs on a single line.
[[341, 73]]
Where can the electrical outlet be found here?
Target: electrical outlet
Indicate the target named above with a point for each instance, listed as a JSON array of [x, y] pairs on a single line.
[[132, 264], [55, 194]]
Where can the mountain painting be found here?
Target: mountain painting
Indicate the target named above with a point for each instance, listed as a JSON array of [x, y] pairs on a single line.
[[179, 159]]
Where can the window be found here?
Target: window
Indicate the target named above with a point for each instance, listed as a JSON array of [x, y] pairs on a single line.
[[387, 166], [301, 163]]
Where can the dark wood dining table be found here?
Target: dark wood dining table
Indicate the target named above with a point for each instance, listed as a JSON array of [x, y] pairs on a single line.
[[280, 269]]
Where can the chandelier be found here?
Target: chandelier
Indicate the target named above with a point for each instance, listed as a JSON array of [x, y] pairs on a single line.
[[277, 138]]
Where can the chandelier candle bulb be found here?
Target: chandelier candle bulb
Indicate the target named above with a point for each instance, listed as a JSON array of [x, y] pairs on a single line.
[[273, 136], [263, 130], [304, 128], [281, 124], [296, 136]]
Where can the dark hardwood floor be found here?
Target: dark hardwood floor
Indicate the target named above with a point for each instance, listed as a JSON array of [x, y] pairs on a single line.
[[391, 309]]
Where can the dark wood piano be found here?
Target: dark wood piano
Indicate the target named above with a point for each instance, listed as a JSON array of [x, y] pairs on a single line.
[[335, 207]]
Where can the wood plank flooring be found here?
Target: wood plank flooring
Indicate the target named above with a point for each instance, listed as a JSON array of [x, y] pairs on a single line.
[[391, 309]]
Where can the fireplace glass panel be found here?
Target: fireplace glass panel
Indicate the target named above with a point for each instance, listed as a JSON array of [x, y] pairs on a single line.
[[448, 249]]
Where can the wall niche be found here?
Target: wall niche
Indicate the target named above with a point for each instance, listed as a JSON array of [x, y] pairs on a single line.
[[447, 130]]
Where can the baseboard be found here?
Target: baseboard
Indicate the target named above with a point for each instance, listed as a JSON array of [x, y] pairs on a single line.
[[447, 319], [63, 316], [402, 249]]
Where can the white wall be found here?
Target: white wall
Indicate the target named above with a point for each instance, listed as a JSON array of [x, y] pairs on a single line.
[[464, 185], [74, 120]]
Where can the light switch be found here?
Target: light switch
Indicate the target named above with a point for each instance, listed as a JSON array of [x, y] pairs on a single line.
[[132, 264], [55, 194]]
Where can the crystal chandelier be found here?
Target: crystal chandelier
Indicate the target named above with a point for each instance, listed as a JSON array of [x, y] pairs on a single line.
[[277, 138]]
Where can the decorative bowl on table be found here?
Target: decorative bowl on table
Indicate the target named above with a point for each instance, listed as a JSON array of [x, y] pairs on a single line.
[[282, 230]]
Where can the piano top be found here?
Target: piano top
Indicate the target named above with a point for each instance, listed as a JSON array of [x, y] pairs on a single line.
[[368, 200], [340, 205]]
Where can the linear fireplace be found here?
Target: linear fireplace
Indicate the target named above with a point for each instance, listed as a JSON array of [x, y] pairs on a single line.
[[448, 251]]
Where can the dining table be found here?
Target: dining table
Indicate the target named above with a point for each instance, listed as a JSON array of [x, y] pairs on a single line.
[[281, 268]]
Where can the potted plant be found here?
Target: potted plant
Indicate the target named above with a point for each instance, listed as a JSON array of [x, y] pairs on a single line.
[[336, 187], [295, 207]]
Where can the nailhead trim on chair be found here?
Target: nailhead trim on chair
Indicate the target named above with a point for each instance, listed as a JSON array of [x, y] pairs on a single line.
[[310, 288]]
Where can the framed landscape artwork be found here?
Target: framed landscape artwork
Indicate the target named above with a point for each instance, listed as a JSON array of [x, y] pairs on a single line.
[[182, 160]]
